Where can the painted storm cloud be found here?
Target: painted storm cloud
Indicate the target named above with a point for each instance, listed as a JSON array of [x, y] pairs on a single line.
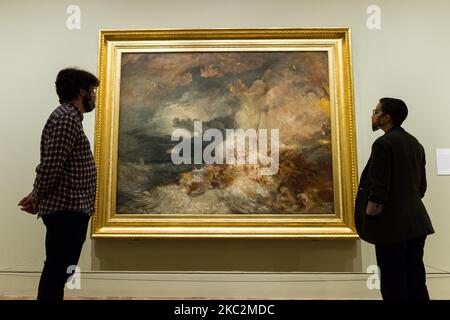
[[164, 92]]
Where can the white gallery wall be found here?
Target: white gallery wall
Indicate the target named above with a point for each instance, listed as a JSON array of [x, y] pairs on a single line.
[[406, 58]]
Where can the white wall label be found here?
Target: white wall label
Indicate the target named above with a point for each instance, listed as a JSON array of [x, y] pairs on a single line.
[[443, 161]]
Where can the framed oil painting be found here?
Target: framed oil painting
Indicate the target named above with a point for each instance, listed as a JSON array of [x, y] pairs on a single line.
[[225, 133]]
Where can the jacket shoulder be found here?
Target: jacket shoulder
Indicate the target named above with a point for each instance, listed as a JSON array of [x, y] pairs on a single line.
[[395, 135], [383, 140]]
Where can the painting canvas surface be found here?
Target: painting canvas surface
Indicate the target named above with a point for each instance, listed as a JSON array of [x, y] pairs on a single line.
[[163, 92]]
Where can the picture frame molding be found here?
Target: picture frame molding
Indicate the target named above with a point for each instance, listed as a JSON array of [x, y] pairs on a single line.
[[335, 41]]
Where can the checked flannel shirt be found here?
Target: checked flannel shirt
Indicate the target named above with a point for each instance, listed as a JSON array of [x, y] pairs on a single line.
[[66, 175]]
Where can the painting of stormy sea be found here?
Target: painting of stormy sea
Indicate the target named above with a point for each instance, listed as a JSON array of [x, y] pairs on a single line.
[[162, 92]]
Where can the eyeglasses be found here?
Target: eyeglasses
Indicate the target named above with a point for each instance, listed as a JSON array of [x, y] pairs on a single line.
[[375, 112]]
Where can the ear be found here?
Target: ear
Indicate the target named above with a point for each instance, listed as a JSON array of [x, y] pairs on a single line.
[[83, 93]]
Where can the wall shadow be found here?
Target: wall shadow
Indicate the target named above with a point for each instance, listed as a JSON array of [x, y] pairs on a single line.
[[226, 255]]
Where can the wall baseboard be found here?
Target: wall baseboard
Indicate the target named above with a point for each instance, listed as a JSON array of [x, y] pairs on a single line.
[[212, 285]]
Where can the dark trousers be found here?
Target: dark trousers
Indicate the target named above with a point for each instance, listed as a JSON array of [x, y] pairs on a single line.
[[66, 232], [402, 272]]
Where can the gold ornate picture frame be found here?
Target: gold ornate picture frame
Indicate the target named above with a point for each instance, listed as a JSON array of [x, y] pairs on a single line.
[[289, 86]]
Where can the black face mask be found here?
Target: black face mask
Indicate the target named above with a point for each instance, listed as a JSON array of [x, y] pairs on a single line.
[[376, 126], [88, 105]]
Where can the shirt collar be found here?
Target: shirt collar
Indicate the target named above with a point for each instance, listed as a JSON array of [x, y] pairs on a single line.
[[395, 128], [79, 113]]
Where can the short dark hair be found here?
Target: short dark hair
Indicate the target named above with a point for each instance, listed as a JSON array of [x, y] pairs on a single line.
[[396, 108], [70, 81]]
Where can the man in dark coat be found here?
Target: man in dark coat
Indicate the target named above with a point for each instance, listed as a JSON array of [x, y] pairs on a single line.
[[389, 212]]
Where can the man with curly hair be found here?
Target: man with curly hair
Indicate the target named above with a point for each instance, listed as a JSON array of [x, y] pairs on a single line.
[[65, 185]]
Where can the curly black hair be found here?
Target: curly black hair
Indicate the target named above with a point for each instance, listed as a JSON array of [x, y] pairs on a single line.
[[70, 81]]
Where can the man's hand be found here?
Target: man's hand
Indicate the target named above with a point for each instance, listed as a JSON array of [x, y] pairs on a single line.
[[28, 204], [373, 208]]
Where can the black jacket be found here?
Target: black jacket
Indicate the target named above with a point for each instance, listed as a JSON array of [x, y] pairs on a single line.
[[395, 177]]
